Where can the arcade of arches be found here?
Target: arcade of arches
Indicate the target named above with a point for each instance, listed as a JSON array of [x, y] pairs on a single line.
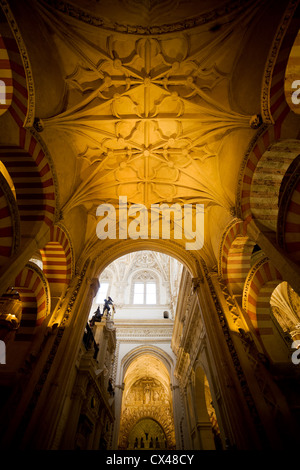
[[174, 102]]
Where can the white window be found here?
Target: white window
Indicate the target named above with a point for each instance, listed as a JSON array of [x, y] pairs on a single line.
[[138, 293], [150, 293], [144, 293]]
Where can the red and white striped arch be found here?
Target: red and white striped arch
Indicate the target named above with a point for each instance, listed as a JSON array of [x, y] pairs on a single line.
[[6, 84], [13, 75], [275, 111], [34, 291], [57, 258], [27, 162], [15, 72], [262, 175], [235, 256], [259, 285], [289, 224], [267, 178], [9, 222], [31, 173], [275, 108]]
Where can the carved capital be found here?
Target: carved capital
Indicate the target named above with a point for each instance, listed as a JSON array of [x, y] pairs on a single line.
[[94, 284], [196, 282]]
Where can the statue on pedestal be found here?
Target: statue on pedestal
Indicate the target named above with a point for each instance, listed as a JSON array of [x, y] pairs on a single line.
[[107, 303]]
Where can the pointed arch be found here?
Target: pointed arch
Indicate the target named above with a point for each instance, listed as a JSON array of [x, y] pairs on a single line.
[[206, 416], [34, 292], [261, 178], [9, 221], [16, 71], [288, 222], [58, 259], [235, 258], [275, 109], [30, 170], [259, 285]]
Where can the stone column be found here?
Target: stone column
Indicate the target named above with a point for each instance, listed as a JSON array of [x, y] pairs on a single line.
[[252, 416], [238, 424], [262, 388], [53, 388], [179, 417], [76, 402], [119, 388], [203, 429], [194, 430], [188, 416]]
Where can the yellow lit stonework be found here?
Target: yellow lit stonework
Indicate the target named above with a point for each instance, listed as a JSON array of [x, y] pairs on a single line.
[[133, 340]]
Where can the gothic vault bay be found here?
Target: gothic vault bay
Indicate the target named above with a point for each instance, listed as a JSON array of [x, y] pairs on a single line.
[[185, 111]]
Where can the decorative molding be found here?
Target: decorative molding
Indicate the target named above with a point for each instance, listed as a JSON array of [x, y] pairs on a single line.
[[29, 119], [40, 140], [141, 332], [289, 184], [270, 64], [250, 277], [14, 214], [178, 112], [82, 15], [235, 358], [59, 332]]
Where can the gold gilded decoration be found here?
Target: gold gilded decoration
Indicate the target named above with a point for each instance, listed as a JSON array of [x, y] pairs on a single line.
[[147, 398]]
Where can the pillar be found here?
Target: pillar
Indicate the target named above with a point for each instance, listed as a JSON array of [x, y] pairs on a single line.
[[118, 407], [77, 400], [237, 420], [51, 390], [244, 371], [179, 419]]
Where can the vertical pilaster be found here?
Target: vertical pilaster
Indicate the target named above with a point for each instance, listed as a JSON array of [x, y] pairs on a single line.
[[118, 406], [179, 417], [253, 416], [77, 400], [55, 383], [237, 420]]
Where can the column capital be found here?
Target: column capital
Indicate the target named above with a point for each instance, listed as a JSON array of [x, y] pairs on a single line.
[[94, 284], [196, 282]]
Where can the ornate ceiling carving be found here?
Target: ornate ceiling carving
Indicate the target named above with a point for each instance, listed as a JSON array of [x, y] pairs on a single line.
[[146, 16], [148, 115]]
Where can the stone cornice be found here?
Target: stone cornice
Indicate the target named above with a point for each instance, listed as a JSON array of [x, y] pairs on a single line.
[[77, 13]]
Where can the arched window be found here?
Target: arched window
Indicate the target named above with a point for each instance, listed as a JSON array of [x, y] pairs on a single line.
[[144, 288]]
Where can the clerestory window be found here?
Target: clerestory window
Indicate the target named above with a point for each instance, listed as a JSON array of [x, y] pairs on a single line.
[[145, 293]]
